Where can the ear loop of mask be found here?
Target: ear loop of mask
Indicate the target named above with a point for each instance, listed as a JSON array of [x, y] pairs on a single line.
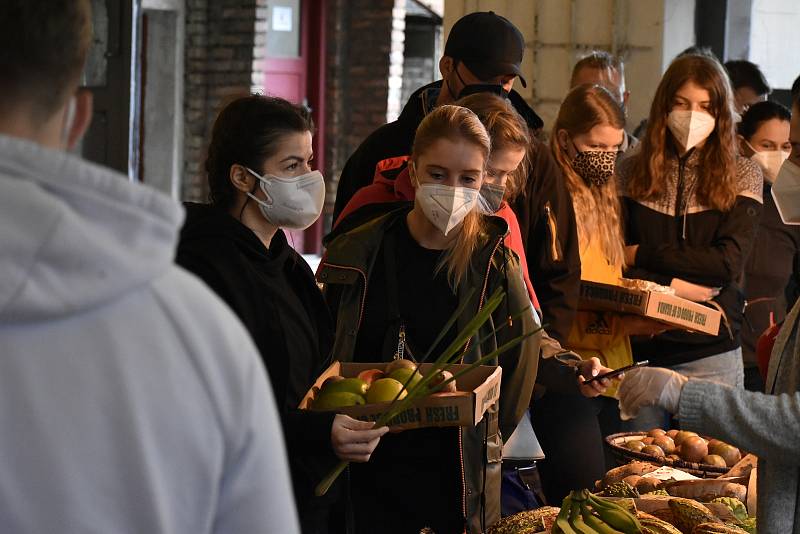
[[460, 79], [247, 198]]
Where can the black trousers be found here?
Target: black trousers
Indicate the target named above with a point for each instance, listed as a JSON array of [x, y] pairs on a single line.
[[571, 429]]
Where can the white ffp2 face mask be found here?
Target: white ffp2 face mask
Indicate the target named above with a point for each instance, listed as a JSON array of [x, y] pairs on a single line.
[[786, 192], [293, 203], [690, 127], [770, 162], [446, 206]]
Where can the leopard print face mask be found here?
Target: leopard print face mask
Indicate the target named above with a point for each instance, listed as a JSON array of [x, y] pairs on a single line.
[[595, 166]]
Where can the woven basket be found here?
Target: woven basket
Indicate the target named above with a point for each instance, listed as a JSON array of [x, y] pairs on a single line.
[[624, 456]]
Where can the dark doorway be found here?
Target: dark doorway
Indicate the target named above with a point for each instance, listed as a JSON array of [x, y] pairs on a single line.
[[112, 139]]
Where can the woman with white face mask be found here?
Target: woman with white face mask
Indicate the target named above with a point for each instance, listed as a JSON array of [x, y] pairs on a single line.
[[392, 284], [764, 138], [768, 424], [692, 208], [261, 182]]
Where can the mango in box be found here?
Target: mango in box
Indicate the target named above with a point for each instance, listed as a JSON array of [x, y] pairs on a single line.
[[347, 385], [385, 390], [408, 377], [335, 400]]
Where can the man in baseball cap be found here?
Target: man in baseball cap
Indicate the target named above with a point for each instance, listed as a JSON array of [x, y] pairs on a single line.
[[483, 49]]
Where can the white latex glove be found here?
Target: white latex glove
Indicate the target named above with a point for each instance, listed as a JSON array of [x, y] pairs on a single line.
[[694, 292], [648, 386]]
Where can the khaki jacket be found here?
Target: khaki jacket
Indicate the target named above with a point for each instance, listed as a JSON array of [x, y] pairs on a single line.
[[345, 274]]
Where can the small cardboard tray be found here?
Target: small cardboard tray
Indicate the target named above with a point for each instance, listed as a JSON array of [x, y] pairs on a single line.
[[477, 391], [664, 307]]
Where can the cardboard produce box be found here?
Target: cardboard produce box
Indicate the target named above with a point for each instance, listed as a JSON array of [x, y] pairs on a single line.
[[477, 390], [658, 305]]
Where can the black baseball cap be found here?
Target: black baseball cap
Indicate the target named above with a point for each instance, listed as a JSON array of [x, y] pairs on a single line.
[[488, 44]]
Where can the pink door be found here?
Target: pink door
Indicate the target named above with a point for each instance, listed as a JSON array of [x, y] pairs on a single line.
[[293, 69]]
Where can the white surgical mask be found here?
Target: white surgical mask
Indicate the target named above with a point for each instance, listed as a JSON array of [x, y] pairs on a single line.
[[293, 203], [690, 127], [770, 161], [786, 192], [446, 206]]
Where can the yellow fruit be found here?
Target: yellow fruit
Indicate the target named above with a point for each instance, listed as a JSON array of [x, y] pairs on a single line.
[[635, 445], [347, 385], [729, 453], [385, 390], [715, 460], [665, 443], [407, 377], [653, 450], [335, 400], [399, 364]]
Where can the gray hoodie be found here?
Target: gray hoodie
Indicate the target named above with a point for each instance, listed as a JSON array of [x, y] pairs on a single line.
[[131, 399], [766, 425]]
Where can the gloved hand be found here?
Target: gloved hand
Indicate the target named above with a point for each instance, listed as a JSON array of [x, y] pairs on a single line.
[[647, 386]]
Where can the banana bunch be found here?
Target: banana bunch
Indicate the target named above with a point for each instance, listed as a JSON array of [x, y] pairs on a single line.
[[584, 513]]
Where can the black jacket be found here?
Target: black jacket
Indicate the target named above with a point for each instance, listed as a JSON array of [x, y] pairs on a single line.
[[234, 263], [346, 273], [680, 238], [768, 271], [544, 211]]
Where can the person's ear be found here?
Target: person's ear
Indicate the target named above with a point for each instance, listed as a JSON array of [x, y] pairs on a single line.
[[625, 96], [563, 140], [81, 117], [241, 178], [446, 66], [412, 173]]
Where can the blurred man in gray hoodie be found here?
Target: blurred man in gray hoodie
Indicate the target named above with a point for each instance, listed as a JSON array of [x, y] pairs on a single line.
[[131, 399]]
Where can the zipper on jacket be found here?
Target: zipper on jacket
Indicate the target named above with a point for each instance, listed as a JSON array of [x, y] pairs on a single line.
[[363, 294], [555, 245], [463, 475], [466, 348], [483, 292], [681, 205]]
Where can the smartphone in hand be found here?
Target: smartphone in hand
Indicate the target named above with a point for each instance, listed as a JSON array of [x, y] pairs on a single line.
[[619, 371]]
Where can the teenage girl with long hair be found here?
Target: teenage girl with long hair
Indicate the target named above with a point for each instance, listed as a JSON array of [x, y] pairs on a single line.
[[692, 208], [587, 138]]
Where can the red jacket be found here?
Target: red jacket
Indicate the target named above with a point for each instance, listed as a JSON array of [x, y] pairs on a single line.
[[399, 188]]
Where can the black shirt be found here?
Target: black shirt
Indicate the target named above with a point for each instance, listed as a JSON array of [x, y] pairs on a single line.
[[274, 294], [416, 472]]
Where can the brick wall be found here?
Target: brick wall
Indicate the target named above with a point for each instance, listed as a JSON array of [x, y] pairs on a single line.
[[359, 35], [220, 43], [226, 38]]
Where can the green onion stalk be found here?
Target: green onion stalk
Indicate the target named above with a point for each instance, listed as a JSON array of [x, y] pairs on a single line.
[[445, 361]]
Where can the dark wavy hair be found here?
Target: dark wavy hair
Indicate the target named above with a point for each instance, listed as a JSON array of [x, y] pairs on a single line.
[[716, 187], [247, 132], [759, 113]]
